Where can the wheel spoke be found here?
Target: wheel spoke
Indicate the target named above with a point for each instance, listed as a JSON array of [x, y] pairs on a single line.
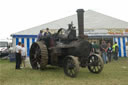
[[38, 58], [98, 67], [93, 69], [71, 72], [34, 60]]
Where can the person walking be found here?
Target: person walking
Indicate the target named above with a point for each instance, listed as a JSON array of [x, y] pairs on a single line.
[[109, 52], [18, 55], [115, 51], [104, 51], [23, 55]]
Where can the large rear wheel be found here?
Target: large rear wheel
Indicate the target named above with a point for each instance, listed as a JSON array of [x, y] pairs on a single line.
[[38, 55]]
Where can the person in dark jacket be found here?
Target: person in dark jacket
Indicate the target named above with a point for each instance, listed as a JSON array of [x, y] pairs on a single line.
[[109, 52], [47, 33], [47, 37]]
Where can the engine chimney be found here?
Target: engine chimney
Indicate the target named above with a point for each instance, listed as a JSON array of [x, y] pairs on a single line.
[[80, 15]]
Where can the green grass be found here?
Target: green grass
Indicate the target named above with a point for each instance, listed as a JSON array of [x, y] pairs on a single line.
[[114, 73]]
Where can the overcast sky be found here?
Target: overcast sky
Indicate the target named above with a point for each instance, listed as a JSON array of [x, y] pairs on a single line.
[[18, 15]]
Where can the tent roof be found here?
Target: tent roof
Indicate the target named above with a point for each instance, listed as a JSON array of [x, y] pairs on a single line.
[[92, 20]]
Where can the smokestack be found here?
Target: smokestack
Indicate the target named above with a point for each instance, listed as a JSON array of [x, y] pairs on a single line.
[[80, 15]]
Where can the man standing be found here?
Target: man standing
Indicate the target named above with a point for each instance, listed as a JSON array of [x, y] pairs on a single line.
[[23, 55], [109, 52], [95, 47], [18, 55], [47, 33], [39, 35], [47, 36], [104, 51], [115, 51]]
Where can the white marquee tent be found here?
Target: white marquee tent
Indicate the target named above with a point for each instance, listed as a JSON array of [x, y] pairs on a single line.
[[95, 24]]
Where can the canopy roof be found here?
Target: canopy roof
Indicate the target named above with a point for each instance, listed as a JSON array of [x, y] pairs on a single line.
[[92, 20]]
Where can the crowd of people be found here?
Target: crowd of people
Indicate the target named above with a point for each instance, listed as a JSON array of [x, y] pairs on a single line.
[[107, 51]]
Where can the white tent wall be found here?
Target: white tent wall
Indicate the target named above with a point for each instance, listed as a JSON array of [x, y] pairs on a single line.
[[27, 41], [121, 41]]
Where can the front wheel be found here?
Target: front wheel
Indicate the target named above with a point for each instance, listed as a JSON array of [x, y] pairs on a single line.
[[71, 66], [95, 63]]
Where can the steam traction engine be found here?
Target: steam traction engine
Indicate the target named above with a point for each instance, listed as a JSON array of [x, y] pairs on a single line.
[[66, 50]]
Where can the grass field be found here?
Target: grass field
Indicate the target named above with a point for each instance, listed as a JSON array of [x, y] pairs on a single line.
[[114, 73]]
